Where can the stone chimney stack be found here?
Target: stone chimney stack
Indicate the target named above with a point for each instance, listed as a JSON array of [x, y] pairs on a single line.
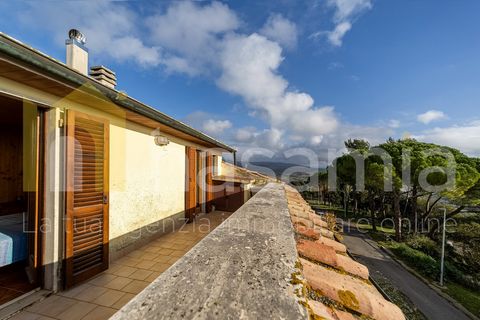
[[104, 75], [77, 53]]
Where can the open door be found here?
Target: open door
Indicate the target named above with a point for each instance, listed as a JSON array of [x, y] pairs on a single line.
[[86, 197], [191, 183]]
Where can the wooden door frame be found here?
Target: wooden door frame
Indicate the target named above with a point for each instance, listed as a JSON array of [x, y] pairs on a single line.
[[41, 188]]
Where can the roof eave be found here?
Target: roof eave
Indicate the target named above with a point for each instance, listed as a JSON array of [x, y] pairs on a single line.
[[14, 48]]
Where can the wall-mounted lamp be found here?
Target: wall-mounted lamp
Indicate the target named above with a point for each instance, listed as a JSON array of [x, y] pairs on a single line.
[[161, 140]]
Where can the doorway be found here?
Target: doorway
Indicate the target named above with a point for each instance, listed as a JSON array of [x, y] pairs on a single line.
[[21, 126]]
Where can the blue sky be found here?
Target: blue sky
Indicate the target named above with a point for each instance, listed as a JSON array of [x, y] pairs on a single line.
[[284, 74]]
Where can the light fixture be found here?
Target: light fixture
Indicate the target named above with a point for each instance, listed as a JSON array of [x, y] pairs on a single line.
[[161, 140]]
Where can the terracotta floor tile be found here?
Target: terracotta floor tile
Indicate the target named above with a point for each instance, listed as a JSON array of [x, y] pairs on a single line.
[[149, 256], [109, 298], [113, 268], [125, 271], [52, 306], [165, 252], [118, 283], [91, 294], [178, 253], [135, 254], [163, 259], [100, 313], [153, 276], [145, 264], [45, 318], [70, 293], [77, 311], [140, 274], [123, 300], [167, 245], [172, 260], [160, 267], [186, 246], [102, 279], [135, 287], [127, 261], [25, 315], [151, 249]]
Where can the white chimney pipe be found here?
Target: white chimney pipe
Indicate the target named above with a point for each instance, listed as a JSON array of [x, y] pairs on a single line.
[[77, 53]]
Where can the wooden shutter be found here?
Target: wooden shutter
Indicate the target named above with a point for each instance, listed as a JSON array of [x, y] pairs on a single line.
[[209, 182], [191, 183], [86, 197]]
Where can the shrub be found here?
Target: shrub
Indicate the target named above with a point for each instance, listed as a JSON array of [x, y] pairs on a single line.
[[422, 262], [428, 266], [424, 244]]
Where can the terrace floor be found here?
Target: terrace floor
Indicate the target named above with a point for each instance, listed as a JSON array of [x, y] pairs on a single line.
[[100, 297]]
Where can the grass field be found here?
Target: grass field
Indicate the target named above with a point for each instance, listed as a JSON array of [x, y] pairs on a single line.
[[467, 298]]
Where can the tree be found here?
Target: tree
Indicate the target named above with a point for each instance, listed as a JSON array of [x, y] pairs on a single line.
[[357, 144], [428, 155]]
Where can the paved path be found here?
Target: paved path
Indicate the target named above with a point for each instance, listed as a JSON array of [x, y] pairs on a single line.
[[432, 305]]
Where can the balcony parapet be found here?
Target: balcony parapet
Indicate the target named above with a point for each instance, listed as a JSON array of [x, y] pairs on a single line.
[[242, 269]]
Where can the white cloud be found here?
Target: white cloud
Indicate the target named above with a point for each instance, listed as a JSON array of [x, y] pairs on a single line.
[[431, 115], [200, 39], [192, 34], [314, 121], [245, 134], [249, 69], [209, 123], [347, 9], [345, 12], [216, 127], [110, 28], [393, 123], [463, 137], [336, 36], [281, 30]]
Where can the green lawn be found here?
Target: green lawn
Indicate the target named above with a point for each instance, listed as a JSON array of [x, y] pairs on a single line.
[[468, 298], [368, 227]]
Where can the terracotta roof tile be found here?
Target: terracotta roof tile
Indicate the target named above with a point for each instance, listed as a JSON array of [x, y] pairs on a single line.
[[306, 231], [299, 213], [317, 220], [339, 247], [329, 313], [352, 293], [317, 251], [302, 221], [339, 278], [327, 255]]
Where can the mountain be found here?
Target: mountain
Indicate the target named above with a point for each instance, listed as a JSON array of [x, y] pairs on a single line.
[[277, 169]]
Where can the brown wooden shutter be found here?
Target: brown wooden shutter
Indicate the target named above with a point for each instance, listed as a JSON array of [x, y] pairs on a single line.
[[191, 182], [209, 182], [86, 197]]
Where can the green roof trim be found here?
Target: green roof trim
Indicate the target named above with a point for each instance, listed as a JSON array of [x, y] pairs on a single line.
[[58, 70]]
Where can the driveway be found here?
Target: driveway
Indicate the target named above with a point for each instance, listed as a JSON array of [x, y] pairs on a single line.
[[366, 251]]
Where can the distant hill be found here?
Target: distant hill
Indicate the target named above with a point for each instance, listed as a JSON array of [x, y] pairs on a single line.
[[279, 168]]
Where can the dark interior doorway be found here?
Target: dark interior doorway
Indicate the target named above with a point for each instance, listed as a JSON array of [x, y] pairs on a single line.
[[19, 202]]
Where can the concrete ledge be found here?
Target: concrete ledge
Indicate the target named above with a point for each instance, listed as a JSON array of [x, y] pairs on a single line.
[[240, 270]]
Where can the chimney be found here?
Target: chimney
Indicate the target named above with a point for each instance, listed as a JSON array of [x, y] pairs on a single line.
[[77, 53], [104, 75]]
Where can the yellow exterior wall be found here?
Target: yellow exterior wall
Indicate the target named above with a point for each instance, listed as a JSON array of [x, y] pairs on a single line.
[[147, 182]]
